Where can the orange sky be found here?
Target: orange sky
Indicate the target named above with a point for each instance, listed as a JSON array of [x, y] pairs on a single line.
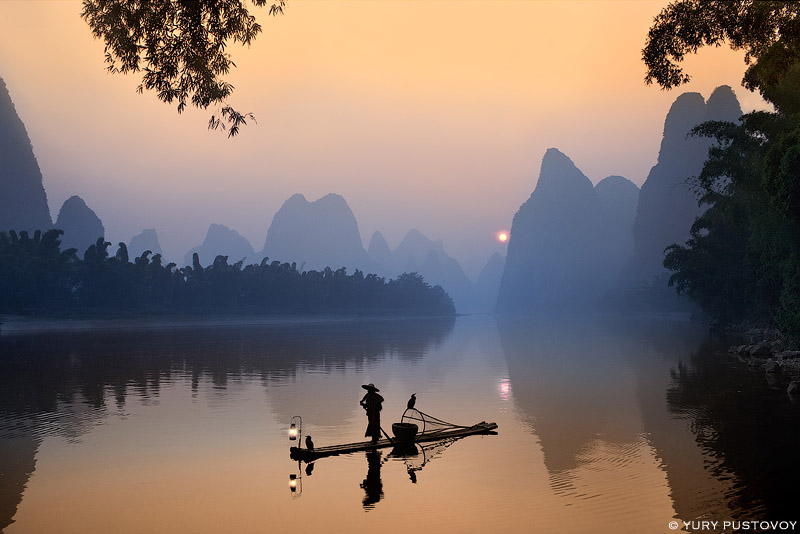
[[432, 115]]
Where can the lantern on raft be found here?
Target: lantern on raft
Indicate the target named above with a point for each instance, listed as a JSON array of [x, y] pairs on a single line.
[[295, 428]]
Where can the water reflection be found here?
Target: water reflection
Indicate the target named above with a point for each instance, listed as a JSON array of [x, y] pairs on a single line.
[[372, 485], [571, 385], [65, 383], [605, 428], [595, 395], [40, 372], [656, 350], [748, 428], [17, 463], [409, 452], [415, 456]]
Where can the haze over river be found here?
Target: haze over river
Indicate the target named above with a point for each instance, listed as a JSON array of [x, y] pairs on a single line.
[[603, 427]]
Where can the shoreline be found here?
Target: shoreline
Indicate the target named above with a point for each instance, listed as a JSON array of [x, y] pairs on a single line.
[[768, 351], [21, 324], [14, 324]]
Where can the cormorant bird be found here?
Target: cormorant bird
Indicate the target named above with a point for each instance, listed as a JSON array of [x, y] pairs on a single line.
[[309, 443], [412, 401]]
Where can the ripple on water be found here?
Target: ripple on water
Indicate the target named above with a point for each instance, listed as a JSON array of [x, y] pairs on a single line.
[[613, 480]]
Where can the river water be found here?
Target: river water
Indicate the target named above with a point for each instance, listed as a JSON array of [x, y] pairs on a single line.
[[603, 427]]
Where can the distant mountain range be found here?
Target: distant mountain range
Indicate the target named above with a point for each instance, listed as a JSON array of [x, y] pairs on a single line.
[[147, 240], [571, 243], [23, 202], [324, 233], [417, 253], [222, 241], [566, 240], [667, 206], [80, 224], [315, 235]]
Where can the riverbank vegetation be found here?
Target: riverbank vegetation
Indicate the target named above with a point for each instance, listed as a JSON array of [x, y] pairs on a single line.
[[36, 276], [742, 262]]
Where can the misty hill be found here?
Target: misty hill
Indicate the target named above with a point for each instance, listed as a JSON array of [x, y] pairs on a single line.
[[667, 207], [418, 253], [415, 249], [618, 198], [221, 241], [566, 240], [324, 233], [553, 239], [315, 235], [147, 240], [488, 285], [23, 202], [380, 254], [80, 224]]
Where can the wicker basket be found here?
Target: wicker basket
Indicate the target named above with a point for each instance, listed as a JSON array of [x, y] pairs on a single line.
[[404, 431]]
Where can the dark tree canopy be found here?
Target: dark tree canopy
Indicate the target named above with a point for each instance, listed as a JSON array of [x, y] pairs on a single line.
[[768, 32], [37, 276], [743, 259], [180, 46]]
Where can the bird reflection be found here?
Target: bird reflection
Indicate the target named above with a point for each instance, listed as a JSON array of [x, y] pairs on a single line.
[[373, 486], [412, 474], [309, 469], [407, 451]]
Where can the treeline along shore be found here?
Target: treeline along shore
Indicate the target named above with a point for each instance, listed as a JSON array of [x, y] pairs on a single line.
[[36, 276]]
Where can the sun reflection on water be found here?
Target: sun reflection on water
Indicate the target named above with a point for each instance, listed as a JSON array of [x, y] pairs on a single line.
[[505, 388]]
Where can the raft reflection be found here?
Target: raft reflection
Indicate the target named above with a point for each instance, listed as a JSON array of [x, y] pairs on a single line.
[[414, 456], [65, 383], [184, 430]]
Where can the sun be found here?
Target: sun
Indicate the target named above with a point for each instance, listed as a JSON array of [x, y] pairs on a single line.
[[502, 236]]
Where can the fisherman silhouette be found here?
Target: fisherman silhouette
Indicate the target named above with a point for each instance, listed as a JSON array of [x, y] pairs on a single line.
[[372, 403]]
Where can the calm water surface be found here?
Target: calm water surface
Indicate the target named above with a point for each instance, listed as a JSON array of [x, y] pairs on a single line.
[[602, 428]]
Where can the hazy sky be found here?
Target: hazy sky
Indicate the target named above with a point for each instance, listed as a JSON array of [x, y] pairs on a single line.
[[432, 115]]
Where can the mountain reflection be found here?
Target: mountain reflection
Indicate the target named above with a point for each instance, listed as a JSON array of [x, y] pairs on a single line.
[[63, 383], [17, 463], [595, 393], [571, 384], [747, 428], [636, 418], [595, 396]]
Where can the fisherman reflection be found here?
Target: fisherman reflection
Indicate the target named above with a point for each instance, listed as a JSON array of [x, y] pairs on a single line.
[[373, 487]]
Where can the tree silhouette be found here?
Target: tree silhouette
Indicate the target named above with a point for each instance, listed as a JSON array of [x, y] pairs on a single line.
[[768, 32], [34, 272], [743, 258], [180, 46], [35, 275]]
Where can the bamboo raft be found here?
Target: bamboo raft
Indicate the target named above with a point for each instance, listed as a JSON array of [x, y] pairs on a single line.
[[308, 455]]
